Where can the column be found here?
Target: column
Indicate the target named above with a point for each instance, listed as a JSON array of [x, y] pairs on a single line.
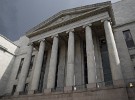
[[113, 54], [91, 67], [38, 66], [70, 60], [53, 64], [24, 71]]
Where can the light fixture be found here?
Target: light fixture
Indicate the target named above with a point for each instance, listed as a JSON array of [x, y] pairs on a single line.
[[97, 86], [131, 85], [75, 88]]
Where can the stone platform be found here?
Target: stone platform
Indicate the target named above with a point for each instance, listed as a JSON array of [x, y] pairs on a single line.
[[110, 93]]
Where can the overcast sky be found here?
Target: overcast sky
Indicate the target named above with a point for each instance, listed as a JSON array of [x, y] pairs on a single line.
[[18, 16]]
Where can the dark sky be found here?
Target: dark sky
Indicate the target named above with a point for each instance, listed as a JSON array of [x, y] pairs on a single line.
[[18, 16]]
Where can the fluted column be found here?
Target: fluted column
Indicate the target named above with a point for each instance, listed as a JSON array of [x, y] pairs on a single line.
[[91, 67], [53, 64], [113, 54], [24, 70], [38, 66], [70, 60]]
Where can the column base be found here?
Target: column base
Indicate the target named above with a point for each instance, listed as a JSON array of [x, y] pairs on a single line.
[[91, 86], [119, 83], [16, 93], [47, 91], [31, 92], [68, 89]]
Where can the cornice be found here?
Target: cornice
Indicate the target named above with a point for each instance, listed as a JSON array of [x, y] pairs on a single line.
[[8, 40], [123, 24], [5, 50]]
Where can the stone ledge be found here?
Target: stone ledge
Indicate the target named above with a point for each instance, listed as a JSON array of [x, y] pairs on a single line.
[[16, 94], [68, 89], [91, 86], [31, 92], [119, 83], [108, 94], [47, 91]]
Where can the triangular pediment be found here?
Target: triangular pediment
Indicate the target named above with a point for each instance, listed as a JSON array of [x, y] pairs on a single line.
[[67, 15], [65, 18]]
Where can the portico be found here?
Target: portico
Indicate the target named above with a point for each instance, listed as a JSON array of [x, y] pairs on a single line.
[[90, 52], [74, 52]]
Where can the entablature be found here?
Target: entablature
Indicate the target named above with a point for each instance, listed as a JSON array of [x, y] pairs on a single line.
[[67, 27]]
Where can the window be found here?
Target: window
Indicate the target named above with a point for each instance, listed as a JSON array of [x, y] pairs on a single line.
[[14, 89], [31, 65], [128, 39], [26, 87], [20, 67], [132, 56]]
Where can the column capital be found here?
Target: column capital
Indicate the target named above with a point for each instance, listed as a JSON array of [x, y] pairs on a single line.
[[56, 35], [106, 19], [41, 40], [89, 24], [71, 30], [30, 43]]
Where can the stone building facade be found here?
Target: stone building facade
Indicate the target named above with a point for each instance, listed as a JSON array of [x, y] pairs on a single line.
[[7, 56], [84, 53]]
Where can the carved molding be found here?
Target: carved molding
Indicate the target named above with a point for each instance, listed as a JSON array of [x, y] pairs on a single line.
[[70, 26], [41, 40], [56, 35], [30, 43], [106, 19], [89, 24], [71, 30]]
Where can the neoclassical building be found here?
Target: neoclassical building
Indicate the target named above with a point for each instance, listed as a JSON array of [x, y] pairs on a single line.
[[84, 53]]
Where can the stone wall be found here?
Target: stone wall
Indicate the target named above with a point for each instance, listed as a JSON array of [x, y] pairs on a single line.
[[22, 51], [7, 54], [124, 11], [124, 54]]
